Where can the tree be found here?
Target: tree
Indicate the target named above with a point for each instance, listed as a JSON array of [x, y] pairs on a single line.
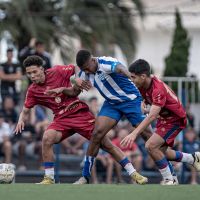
[[93, 22], [177, 61]]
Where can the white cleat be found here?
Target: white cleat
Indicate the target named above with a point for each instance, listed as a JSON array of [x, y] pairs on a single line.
[[81, 181], [196, 163], [175, 180], [168, 182]]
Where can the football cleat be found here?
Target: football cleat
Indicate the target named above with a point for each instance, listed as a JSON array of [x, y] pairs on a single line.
[[165, 182], [47, 181], [139, 179], [196, 163], [168, 182], [81, 181]]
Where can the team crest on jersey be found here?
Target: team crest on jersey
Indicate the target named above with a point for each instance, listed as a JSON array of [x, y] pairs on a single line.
[[57, 99], [101, 76]]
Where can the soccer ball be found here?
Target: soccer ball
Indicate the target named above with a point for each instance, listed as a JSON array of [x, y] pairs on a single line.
[[7, 173]]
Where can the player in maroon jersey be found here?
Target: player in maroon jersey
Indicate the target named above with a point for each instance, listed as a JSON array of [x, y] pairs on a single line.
[[70, 114], [171, 119]]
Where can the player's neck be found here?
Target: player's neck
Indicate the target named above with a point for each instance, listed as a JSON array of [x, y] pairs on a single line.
[[148, 83]]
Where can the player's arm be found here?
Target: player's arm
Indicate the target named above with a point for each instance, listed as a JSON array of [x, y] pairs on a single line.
[[153, 114], [121, 69], [20, 124]]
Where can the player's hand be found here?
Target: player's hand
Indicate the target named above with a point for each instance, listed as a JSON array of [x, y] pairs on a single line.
[[20, 127], [82, 84], [54, 91], [129, 140]]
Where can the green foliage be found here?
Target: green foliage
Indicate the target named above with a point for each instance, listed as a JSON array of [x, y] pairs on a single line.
[[177, 61], [94, 22]]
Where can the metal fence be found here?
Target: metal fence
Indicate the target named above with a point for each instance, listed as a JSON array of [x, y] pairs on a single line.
[[187, 88]]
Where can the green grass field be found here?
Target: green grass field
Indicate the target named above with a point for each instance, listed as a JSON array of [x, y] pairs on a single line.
[[98, 192]]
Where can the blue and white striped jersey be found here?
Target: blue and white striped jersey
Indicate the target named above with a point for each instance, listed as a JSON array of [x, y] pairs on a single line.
[[114, 87]]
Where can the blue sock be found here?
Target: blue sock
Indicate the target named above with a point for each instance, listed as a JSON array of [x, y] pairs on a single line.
[[48, 165], [89, 161], [171, 168], [161, 164], [124, 162]]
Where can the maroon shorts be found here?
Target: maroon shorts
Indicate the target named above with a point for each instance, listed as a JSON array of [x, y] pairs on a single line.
[[169, 129], [81, 122]]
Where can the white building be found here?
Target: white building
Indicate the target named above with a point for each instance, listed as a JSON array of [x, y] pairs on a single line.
[[155, 32]]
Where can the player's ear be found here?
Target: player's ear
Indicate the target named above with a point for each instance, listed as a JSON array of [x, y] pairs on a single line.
[[143, 76], [42, 68]]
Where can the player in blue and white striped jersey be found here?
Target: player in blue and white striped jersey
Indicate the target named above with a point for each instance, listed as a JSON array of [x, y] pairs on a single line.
[[122, 97]]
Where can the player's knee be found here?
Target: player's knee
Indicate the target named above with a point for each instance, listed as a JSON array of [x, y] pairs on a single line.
[[48, 139], [97, 136], [149, 146]]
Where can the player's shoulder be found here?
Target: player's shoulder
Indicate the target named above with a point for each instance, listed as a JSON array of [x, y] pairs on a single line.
[[157, 83], [106, 59], [61, 69]]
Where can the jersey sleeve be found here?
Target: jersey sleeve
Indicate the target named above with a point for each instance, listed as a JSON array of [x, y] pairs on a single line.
[[30, 100], [159, 97], [108, 64]]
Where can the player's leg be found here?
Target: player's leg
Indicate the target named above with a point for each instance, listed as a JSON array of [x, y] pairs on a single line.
[[153, 146], [178, 156], [107, 118], [123, 160], [50, 138]]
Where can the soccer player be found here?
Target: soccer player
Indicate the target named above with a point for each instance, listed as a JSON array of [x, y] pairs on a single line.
[[113, 82], [171, 119], [70, 114]]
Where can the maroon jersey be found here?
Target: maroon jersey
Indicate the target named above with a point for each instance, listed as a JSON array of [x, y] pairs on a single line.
[[161, 95], [58, 76]]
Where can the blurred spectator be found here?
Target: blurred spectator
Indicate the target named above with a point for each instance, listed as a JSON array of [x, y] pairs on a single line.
[[190, 117], [5, 143], [191, 146], [10, 114], [74, 144], [36, 47], [9, 74], [28, 143]]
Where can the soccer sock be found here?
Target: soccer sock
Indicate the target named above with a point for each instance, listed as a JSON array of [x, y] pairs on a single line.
[[184, 157], [89, 161], [171, 168], [164, 168], [49, 169], [126, 164]]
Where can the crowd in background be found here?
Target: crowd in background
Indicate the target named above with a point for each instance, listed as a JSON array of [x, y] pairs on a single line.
[[19, 148]]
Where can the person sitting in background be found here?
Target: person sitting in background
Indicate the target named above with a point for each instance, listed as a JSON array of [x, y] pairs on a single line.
[[9, 73], [5, 143], [37, 48], [191, 145], [10, 114]]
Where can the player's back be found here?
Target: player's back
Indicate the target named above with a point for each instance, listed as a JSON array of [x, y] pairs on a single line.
[[114, 87], [162, 95]]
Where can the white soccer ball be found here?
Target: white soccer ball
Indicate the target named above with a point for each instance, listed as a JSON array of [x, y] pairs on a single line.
[[7, 173]]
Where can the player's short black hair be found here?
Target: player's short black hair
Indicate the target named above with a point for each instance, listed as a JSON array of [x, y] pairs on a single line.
[[82, 56], [39, 42], [33, 60], [140, 66]]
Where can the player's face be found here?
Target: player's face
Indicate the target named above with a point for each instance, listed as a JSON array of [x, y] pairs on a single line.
[[90, 67], [35, 74], [138, 80]]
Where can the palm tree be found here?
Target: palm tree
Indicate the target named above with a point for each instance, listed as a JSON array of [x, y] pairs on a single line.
[[104, 22], [94, 22]]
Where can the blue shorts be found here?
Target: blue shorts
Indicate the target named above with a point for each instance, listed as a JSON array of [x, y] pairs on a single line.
[[130, 109]]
